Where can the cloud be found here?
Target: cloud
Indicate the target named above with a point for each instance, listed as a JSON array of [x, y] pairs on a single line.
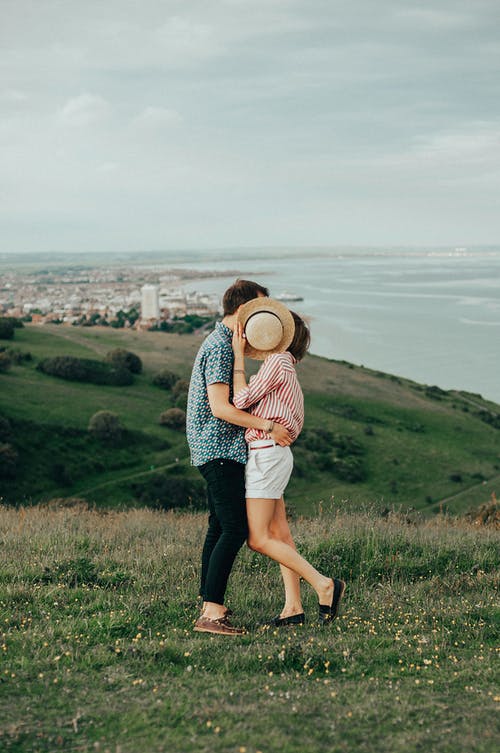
[[476, 142], [84, 110], [107, 167], [468, 150], [434, 20], [13, 97], [199, 119], [157, 118], [184, 40]]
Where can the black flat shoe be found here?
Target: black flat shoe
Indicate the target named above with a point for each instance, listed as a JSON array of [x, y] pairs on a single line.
[[327, 613], [294, 619]]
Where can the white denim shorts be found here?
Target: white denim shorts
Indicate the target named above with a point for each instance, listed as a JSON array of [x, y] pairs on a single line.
[[268, 469]]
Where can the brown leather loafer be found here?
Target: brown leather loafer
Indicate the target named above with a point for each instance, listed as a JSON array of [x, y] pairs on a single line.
[[222, 626]]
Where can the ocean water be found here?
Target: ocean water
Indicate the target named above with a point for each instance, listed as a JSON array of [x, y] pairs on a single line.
[[431, 317]]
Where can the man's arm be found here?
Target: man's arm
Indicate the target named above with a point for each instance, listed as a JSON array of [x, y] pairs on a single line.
[[218, 397]]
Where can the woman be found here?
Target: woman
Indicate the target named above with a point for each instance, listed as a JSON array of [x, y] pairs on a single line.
[[274, 393]]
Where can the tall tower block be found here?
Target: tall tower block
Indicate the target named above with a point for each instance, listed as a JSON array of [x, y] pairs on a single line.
[[150, 302]]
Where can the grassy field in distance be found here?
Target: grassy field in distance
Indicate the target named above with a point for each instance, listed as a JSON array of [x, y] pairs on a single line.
[[415, 446]]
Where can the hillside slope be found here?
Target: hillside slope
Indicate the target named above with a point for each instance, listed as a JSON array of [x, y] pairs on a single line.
[[369, 436]]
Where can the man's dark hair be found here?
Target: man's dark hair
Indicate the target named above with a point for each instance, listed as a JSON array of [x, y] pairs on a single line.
[[301, 339], [241, 292]]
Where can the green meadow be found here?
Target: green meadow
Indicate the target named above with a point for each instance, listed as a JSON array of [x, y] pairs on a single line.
[[98, 593], [369, 436], [98, 651]]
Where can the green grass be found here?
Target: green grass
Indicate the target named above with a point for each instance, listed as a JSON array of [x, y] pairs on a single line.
[[98, 651], [423, 449], [412, 453]]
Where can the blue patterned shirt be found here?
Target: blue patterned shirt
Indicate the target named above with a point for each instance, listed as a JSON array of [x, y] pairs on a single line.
[[210, 438]]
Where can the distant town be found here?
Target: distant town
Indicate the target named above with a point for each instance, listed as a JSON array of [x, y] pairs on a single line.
[[142, 298]]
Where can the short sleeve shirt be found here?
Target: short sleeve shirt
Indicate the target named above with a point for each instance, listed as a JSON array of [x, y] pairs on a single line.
[[210, 438]]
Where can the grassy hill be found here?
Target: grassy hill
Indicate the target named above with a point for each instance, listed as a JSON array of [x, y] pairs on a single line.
[[98, 652], [369, 436]]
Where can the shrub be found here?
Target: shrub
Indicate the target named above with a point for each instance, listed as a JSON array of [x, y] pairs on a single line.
[[6, 329], [106, 426], [61, 474], [17, 356], [165, 379], [351, 469], [320, 441], [339, 454], [170, 491], [125, 359], [181, 402], [5, 362], [435, 392], [180, 388], [8, 461], [180, 393], [5, 429], [85, 370], [173, 418], [489, 418]]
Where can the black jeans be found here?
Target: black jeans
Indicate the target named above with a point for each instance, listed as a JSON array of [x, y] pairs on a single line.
[[227, 525]]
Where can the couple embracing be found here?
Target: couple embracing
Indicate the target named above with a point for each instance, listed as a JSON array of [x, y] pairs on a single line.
[[239, 435]]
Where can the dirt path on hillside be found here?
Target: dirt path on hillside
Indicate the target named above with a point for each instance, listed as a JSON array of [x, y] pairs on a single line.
[[78, 339], [470, 488], [119, 479]]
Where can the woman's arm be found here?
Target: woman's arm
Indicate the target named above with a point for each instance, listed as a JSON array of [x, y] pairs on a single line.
[[218, 397], [267, 379], [239, 342]]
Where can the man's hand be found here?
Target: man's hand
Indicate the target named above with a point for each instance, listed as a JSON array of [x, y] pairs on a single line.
[[281, 435]]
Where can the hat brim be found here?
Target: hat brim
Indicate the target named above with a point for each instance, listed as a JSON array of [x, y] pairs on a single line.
[[268, 305]]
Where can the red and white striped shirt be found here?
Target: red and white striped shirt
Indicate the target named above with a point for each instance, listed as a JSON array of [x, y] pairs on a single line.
[[274, 393]]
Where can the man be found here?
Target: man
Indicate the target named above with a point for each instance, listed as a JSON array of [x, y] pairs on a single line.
[[216, 438]]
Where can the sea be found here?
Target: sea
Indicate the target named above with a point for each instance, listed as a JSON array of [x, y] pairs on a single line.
[[427, 314], [430, 316]]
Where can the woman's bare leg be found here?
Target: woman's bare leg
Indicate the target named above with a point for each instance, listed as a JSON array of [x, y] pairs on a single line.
[[260, 513], [280, 529]]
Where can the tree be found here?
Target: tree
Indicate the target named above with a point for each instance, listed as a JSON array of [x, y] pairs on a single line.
[[106, 426], [85, 370], [133, 315], [125, 359], [5, 429], [5, 362], [168, 492], [61, 474], [17, 355], [165, 379], [173, 418], [8, 461], [16, 323], [6, 329]]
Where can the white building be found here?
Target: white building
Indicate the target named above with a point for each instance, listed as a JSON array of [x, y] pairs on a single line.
[[150, 302]]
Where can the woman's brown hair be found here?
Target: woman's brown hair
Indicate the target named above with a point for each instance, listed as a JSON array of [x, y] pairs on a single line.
[[301, 339]]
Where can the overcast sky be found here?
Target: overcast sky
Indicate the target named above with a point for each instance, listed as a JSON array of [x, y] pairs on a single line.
[[157, 124]]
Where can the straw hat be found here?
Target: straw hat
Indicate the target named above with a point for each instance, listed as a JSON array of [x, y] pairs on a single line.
[[268, 326]]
